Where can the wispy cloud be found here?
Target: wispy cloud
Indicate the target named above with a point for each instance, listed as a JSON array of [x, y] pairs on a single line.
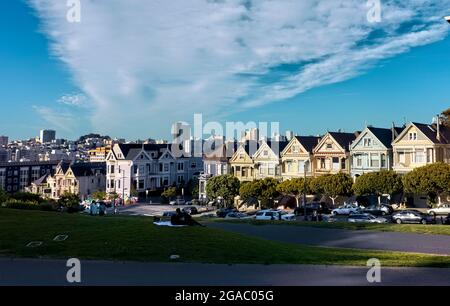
[[74, 99], [60, 119], [145, 63]]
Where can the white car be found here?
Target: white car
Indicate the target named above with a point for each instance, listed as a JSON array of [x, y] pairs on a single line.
[[365, 218], [443, 209], [347, 209], [274, 215]]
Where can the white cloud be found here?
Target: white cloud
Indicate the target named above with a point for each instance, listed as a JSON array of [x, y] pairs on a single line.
[[76, 99], [62, 120], [145, 63]]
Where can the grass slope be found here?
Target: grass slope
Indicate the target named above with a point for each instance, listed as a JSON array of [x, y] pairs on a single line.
[[137, 239]]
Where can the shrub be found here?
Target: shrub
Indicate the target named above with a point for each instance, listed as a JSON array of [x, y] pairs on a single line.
[[27, 197], [16, 204], [70, 202]]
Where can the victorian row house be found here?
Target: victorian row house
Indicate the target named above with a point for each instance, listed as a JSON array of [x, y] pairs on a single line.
[[82, 179], [138, 168]]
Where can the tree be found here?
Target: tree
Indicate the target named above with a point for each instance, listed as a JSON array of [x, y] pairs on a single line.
[[432, 180], [70, 201], [294, 187], [99, 195], [224, 186], [378, 183], [169, 193], [264, 191], [333, 185], [113, 196], [192, 188], [446, 117], [3, 196]]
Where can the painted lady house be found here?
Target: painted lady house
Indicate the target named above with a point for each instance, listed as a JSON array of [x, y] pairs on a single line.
[[297, 156]]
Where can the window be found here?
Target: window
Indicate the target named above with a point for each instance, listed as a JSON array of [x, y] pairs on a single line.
[[166, 167], [329, 146], [135, 169], [413, 136], [358, 161], [289, 166], [383, 160], [265, 153], [166, 181], [301, 166], [180, 166], [141, 184], [180, 179], [193, 165], [111, 183], [271, 170], [295, 149], [419, 157], [374, 161], [112, 169], [322, 163], [343, 163], [367, 142]]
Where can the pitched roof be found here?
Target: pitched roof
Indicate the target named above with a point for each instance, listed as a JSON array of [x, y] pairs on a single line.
[[344, 139], [385, 135], [277, 146], [88, 169], [130, 151], [308, 142], [430, 130], [41, 180]]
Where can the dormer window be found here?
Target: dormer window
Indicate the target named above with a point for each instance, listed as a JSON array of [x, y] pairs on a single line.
[[413, 136], [367, 142], [329, 146]]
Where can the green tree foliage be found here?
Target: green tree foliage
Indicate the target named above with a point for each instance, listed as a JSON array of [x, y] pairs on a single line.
[[70, 201], [169, 193], [192, 188], [27, 197], [3, 196], [225, 186], [294, 187], [446, 116], [264, 191], [99, 195], [333, 185], [378, 183], [432, 180]]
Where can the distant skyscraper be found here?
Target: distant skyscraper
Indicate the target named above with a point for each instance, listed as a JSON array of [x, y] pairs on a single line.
[[4, 141], [289, 135], [47, 136]]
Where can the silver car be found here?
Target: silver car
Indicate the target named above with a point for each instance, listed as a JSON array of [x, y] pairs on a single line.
[[365, 218]]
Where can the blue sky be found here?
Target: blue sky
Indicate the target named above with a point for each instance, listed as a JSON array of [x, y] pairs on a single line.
[[95, 76]]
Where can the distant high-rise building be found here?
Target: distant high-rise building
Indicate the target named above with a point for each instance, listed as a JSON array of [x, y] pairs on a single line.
[[4, 141], [289, 135], [250, 135], [47, 136]]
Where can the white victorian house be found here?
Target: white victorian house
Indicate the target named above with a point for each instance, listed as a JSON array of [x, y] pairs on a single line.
[[147, 167], [372, 150]]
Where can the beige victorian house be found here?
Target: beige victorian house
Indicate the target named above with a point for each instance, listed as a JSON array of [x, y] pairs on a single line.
[[242, 166], [332, 154], [266, 160], [297, 156], [419, 145]]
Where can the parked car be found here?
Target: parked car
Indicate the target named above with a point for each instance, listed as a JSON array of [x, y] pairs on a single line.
[[274, 215], [412, 216], [347, 209], [191, 210], [379, 210], [446, 220], [366, 218], [237, 215], [173, 202], [223, 212], [180, 201], [443, 209], [319, 208]]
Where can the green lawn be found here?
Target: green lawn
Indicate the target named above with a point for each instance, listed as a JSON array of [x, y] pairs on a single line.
[[390, 227], [137, 239]]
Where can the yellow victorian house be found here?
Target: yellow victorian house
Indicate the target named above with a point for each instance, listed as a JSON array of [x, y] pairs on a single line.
[[332, 154], [419, 145], [297, 156], [242, 166]]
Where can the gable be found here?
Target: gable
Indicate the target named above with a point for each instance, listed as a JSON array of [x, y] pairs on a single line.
[[328, 145], [141, 156], [110, 156], [294, 148], [412, 136], [166, 155], [265, 152], [367, 141], [241, 156]]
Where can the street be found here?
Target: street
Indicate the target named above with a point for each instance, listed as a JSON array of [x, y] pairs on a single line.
[[24, 272]]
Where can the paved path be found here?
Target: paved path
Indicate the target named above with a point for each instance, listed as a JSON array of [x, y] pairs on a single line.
[[53, 272], [388, 241]]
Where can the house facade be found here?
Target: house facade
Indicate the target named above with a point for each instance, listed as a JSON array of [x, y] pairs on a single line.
[[372, 150], [147, 167], [82, 179], [266, 160], [297, 156], [419, 145], [242, 166], [332, 154]]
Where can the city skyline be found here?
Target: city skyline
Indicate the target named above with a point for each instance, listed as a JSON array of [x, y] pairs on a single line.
[[401, 78]]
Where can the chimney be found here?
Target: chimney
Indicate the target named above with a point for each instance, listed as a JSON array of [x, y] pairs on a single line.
[[438, 128]]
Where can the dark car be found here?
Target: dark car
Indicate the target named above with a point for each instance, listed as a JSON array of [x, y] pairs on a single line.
[[446, 220], [223, 212], [191, 210], [379, 210], [312, 209], [412, 216]]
